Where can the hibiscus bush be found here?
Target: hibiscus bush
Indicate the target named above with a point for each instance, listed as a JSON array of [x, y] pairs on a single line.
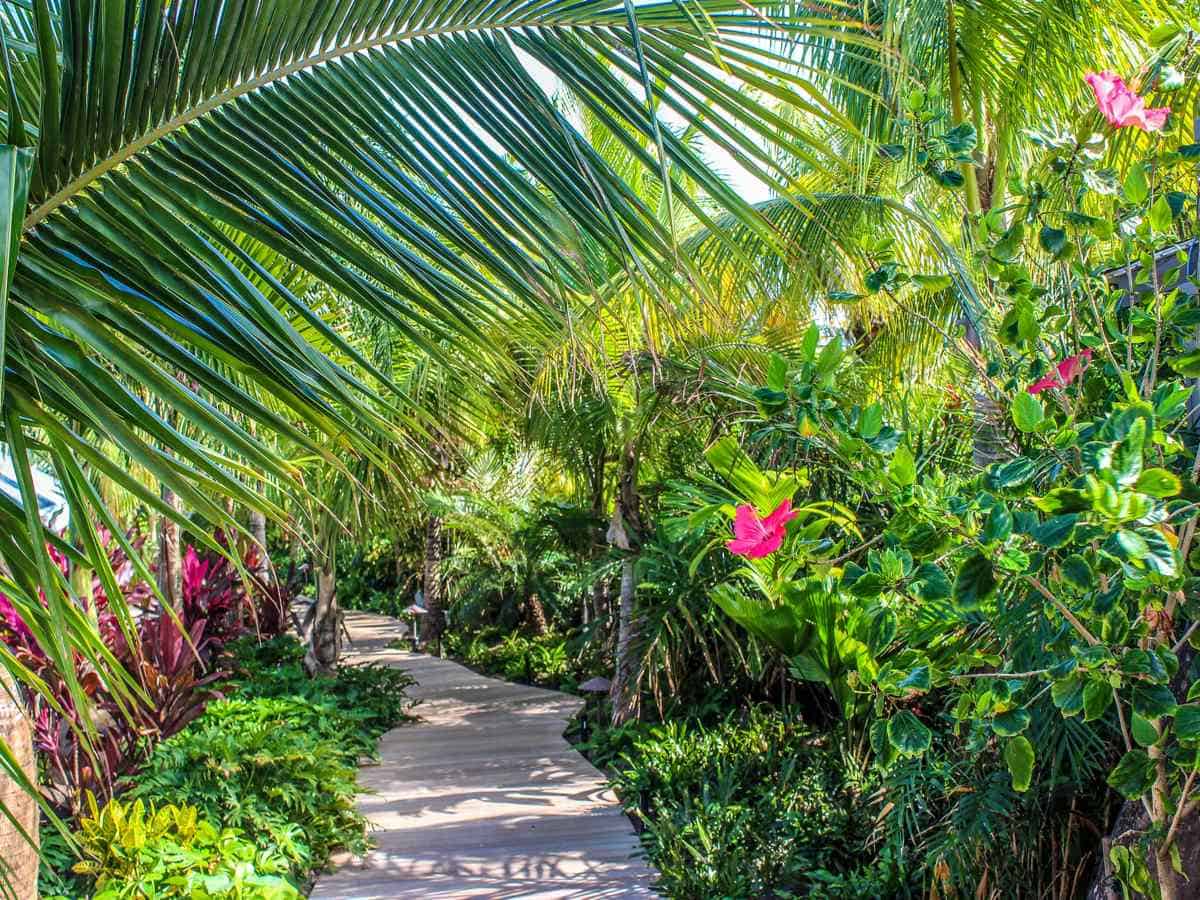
[[1063, 575]]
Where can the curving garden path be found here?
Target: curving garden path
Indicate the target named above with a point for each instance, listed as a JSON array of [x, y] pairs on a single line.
[[483, 797]]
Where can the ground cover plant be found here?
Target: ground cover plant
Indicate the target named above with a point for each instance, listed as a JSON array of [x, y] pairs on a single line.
[[139, 851], [547, 660], [754, 808], [249, 797]]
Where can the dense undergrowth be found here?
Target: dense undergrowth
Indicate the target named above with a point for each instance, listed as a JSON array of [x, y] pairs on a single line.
[[550, 660], [250, 797], [754, 805]]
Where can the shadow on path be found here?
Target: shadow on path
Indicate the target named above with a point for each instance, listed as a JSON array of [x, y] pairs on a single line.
[[483, 797]]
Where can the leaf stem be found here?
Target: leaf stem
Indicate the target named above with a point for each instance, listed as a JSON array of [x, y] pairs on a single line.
[[1062, 608]]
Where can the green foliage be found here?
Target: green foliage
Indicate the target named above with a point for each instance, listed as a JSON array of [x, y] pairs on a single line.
[[278, 759], [275, 768], [361, 701], [367, 576], [749, 809], [1031, 615], [134, 851], [550, 660]]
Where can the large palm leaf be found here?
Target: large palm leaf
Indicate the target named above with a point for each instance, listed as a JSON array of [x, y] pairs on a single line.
[[192, 181]]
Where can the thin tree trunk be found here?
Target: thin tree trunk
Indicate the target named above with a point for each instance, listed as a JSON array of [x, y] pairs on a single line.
[[537, 615], [324, 633], [625, 695], [18, 857], [170, 560], [431, 583], [624, 532], [258, 528]]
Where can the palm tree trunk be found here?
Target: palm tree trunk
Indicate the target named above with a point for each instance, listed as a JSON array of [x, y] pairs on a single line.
[[323, 637], [170, 560], [18, 857], [431, 583], [624, 533], [625, 695], [537, 615], [258, 528]]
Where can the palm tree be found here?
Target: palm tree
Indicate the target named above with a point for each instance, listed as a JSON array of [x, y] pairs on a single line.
[[995, 68], [163, 159]]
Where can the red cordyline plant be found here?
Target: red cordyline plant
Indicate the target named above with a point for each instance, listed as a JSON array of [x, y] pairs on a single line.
[[172, 666]]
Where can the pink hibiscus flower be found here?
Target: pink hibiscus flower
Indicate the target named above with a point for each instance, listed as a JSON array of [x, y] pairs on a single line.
[[1065, 372], [1123, 107], [755, 538]]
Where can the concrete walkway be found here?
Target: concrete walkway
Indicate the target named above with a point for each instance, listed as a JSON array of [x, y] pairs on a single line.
[[483, 797]]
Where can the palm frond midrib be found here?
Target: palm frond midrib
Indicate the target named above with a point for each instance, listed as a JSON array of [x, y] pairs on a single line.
[[213, 101]]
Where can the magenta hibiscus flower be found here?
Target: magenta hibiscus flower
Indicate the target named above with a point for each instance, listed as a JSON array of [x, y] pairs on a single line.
[[1123, 107], [1064, 373], [755, 538]]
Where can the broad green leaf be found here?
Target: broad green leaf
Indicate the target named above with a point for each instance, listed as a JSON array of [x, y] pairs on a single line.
[[1064, 500], [1125, 461], [1153, 700], [1013, 474], [777, 371], [903, 468], [870, 421], [999, 524], [1097, 697], [1027, 412], [1133, 775], [929, 583], [1018, 756], [975, 583], [1053, 240], [1160, 556], [1187, 364], [880, 629], [1160, 214], [908, 735], [1143, 731], [1158, 483], [916, 680], [1187, 722], [1013, 722], [1136, 189], [1067, 694], [1055, 531], [1077, 572]]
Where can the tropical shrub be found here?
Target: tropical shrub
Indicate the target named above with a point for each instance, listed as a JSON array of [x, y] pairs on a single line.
[[174, 669], [366, 699], [754, 808], [278, 759], [136, 851], [370, 580], [550, 660], [1055, 585], [268, 767]]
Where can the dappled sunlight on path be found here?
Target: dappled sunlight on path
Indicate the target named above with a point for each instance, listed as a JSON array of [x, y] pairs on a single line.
[[483, 797]]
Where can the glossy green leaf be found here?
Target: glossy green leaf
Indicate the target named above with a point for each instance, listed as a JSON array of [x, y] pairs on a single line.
[[1019, 757], [907, 734]]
